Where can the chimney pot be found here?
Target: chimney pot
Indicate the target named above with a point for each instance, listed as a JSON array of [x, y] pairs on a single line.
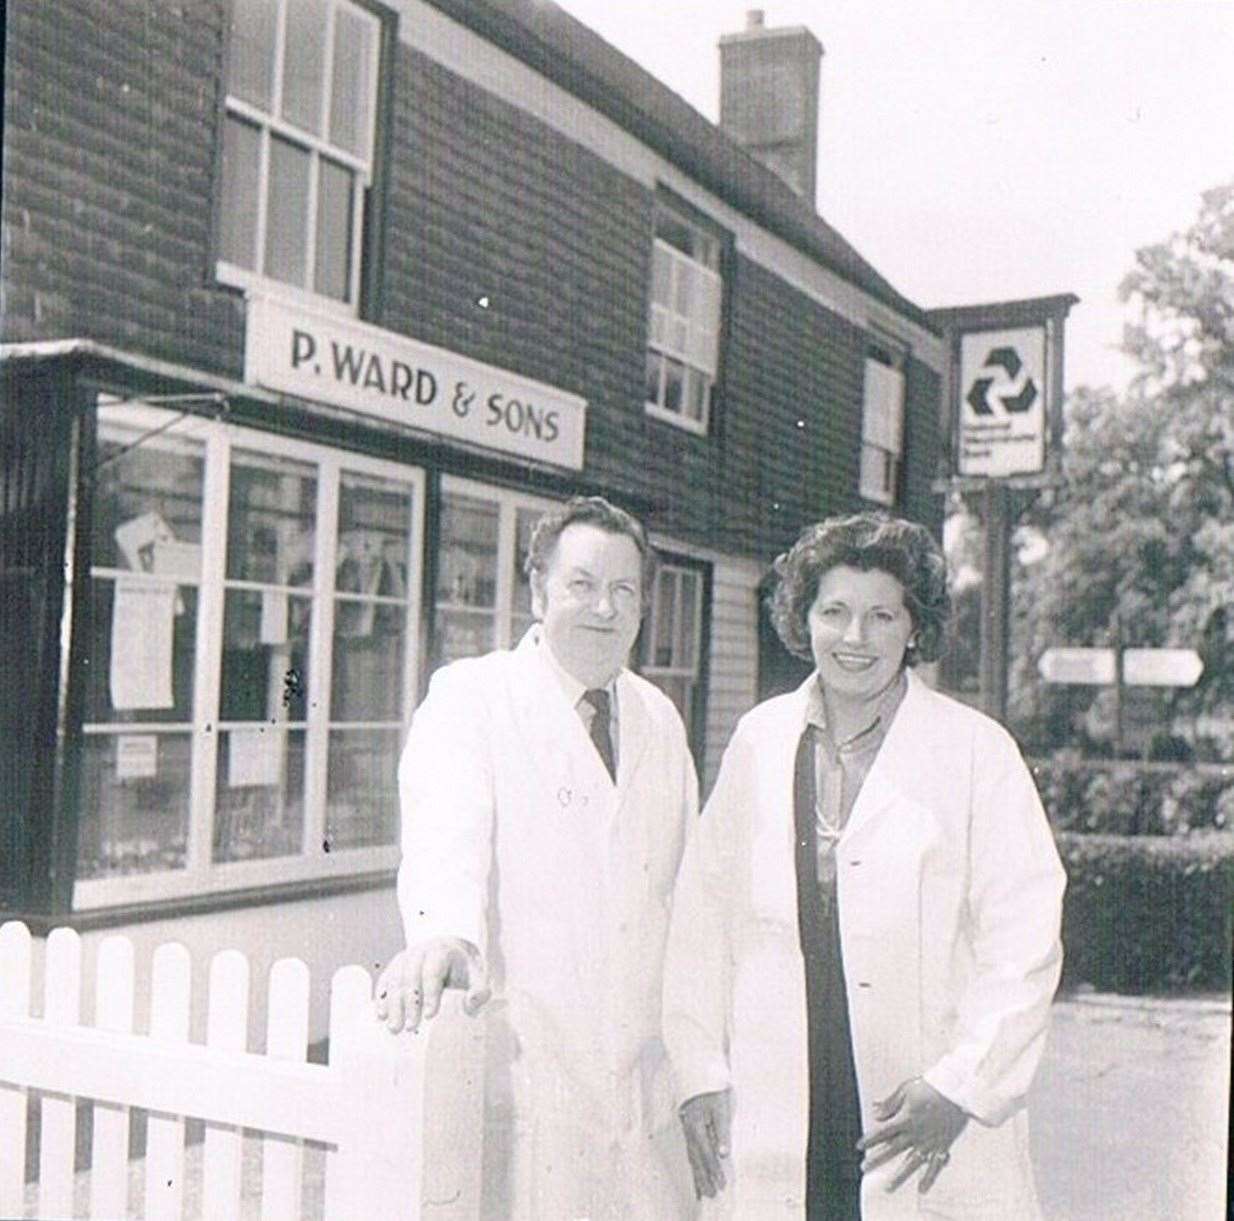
[[754, 19]]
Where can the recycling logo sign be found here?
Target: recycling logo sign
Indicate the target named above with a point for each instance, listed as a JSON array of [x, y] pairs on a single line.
[[1002, 418]]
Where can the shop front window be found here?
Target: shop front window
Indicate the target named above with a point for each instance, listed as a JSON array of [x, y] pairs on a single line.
[[251, 659], [483, 599], [143, 631]]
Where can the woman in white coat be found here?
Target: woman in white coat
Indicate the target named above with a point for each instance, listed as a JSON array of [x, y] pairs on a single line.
[[865, 931]]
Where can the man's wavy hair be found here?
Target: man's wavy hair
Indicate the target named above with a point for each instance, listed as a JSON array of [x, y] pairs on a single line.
[[591, 511], [869, 542]]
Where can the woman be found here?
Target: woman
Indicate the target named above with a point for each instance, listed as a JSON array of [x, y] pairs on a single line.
[[865, 932]]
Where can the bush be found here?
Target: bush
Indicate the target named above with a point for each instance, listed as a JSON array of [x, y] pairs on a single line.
[[1148, 913], [1129, 799]]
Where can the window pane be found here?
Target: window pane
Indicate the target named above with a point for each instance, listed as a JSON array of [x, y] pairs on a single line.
[[271, 518], [688, 619], [680, 690], [655, 363], [304, 62], [683, 288], [661, 276], [349, 94], [148, 490], [370, 642], [362, 788], [251, 51], [374, 530], [462, 633], [142, 651], [467, 572], [370, 613], [287, 213], [332, 272], [241, 176], [662, 647], [265, 674], [134, 812], [675, 232], [524, 521], [674, 373], [698, 389], [259, 808]]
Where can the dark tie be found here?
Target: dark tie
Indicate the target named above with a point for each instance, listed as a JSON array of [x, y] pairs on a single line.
[[601, 719]]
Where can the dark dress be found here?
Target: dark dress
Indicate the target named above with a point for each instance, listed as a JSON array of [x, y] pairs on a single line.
[[833, 1163]]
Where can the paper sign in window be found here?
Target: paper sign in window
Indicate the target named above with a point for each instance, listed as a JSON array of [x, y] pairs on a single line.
[[273, 617], [254, 756], [137, 756], [142, 622]]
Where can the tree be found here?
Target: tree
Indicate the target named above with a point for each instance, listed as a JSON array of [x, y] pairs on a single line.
[[1141, 535]]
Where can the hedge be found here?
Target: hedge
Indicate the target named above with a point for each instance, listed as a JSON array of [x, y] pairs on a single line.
[[1148, 913], [1129, 798]]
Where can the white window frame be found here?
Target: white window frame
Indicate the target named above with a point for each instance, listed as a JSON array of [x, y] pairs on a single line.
[[271, 123], [201, 875], [697, 345], [882, 426], [687, 668], [508, 504]]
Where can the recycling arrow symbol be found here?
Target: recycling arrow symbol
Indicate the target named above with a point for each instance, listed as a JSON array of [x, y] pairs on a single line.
[[1014, 390]]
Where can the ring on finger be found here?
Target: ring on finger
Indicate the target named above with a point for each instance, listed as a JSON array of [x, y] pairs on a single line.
[[939, 1157]]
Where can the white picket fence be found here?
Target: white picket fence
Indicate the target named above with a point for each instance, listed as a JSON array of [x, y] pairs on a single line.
[[399, 1118]]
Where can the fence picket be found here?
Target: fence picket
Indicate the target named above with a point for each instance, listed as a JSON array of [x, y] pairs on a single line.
[[113, 1010], [282, 1167], [57, 1142], [226, 1028], [169, 1022], [14, 1002], [368, 1106]]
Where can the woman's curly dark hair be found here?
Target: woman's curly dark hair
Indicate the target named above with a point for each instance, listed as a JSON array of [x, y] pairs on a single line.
[[867, 542]]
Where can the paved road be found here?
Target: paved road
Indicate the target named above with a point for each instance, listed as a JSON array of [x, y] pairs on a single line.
[[1130, 1112]]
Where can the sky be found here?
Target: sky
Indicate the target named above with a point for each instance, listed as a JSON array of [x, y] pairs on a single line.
[[986, 151]]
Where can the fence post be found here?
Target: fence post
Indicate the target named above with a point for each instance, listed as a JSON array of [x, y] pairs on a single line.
[[418, 1111], [14, 1002]]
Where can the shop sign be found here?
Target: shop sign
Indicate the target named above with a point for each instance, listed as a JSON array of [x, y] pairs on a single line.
[[1002, 425], [354, 365]]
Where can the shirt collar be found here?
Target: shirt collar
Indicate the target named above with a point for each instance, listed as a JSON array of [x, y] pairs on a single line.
[[881, 713], [571, 688]]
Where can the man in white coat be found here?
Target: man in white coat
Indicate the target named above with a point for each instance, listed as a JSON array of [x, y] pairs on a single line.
[[546, 794]]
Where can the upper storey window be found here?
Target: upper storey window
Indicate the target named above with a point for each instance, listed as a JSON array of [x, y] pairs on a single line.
[[298, 144], [684, 328]]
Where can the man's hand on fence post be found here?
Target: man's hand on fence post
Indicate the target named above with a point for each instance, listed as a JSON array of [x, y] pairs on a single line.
[[411, 985]]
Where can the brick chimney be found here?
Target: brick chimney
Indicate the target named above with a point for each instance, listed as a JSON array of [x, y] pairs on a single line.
[[769, 98]]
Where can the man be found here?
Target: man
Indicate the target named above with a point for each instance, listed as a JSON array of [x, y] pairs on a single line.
[[546, 793]]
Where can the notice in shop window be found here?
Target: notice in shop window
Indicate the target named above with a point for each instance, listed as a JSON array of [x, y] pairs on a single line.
[[274, 605], [137, 756], [142, 623], [254, 757]]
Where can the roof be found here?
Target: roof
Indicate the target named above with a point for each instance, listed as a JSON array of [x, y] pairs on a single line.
[[577, 59]]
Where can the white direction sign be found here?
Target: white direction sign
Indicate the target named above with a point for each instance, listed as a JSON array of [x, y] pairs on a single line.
[[1161, 667], [1002, 419], [1091, 667]]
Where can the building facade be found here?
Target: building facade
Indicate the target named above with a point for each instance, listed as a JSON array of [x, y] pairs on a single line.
[[310, 307]]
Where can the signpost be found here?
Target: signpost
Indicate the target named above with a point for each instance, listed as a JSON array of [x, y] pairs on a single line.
[[1090, 667], [1001, 424], [1120, 668]]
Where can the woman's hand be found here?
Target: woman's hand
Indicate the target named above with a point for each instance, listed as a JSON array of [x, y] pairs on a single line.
[[919, 1122]]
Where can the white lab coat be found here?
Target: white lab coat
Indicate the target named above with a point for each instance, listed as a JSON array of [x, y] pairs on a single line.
[[950, 894], [516, 839]]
